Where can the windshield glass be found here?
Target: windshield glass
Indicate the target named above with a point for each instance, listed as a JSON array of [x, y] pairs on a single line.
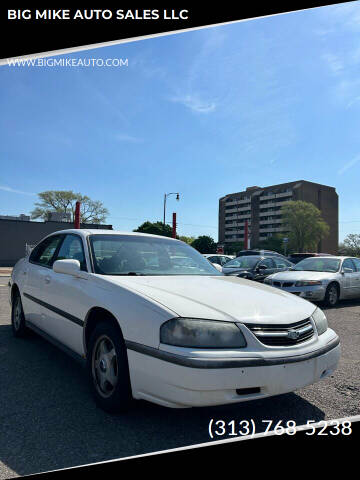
[[315, 264], [243, 262], [135, 255]]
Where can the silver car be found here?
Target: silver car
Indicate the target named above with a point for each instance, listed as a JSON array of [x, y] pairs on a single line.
[[328, 279]]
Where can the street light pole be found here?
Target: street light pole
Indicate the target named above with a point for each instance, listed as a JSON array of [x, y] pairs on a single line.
[[165, 197]]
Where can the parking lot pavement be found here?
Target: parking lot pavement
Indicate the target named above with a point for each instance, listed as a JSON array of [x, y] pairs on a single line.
[[48, 419]]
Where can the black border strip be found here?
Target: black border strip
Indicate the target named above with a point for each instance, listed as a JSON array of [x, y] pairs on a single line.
[[70, 317], [227, 363]]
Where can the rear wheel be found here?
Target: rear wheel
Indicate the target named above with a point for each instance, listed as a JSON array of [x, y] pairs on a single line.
[[108, 369], [17, 317], [332, 295]]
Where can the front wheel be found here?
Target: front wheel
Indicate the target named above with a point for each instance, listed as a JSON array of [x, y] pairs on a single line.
[[332, 295], [108, 369], [17, 317]]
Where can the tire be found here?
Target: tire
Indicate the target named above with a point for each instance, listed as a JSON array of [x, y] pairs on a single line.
[[332, 295], [108, 369], [17, 317]]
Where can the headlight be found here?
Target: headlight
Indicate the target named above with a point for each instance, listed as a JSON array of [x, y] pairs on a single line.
[[320, 321], [268, 280], [191, 332], [307, 283]]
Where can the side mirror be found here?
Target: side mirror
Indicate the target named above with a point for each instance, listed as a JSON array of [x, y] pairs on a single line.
[[347, 270], [262, 267], [69, 267]]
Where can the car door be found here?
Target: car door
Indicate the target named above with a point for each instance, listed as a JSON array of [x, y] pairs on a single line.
[[349, 278], [67, 297], [37, 274], [262, 273], [356, 262]]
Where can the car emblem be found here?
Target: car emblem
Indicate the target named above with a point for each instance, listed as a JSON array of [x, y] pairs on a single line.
[[293, 334]]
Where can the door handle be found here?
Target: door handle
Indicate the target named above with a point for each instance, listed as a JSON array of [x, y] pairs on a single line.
[[47, 279]]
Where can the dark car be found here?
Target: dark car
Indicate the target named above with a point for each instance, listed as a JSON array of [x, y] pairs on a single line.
[[297, 257], [261, 253], [256, 267]]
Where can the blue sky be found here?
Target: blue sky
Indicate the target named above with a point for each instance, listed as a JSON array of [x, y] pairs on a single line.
[[203, 113]]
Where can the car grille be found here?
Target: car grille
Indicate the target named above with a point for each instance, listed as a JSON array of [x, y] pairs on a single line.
[[283, 335], [282, 284]]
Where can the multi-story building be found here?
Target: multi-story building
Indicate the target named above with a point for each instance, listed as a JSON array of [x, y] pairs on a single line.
[[261, 207]]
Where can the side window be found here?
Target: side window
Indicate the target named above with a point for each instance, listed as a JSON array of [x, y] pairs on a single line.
[[281, 263], [268, 262], [348, 263], [72, 249], [215, 260], [357, 264], [44, 252]]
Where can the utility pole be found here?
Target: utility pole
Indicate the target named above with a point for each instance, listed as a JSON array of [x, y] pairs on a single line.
[[77, 215]]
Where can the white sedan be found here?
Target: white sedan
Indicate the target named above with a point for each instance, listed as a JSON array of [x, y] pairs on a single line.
[[177, 333], [328, 279]]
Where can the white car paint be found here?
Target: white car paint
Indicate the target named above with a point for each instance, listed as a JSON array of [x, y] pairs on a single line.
[[348, 282], [178, 376]]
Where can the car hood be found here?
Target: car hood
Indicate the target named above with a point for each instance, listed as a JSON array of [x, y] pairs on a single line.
[[301, 275], [219, 298]]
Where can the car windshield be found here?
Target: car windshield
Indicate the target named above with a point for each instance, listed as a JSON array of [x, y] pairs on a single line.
[[316, 264], [242, 262], [142, 255]]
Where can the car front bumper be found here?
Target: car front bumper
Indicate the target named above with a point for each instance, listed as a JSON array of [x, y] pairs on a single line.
[[226, 381], [314, 293]]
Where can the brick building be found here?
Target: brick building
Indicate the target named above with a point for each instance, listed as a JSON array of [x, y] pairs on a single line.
[[261, 206]]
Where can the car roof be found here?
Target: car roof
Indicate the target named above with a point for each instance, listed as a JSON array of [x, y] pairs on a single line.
[[98, 231]]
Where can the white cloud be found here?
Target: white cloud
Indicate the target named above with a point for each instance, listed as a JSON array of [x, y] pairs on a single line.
[[348, 165], [13, 190], [195, 103], [123, 137]]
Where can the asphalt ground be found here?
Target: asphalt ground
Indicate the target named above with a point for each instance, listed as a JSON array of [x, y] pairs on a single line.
[[48, 419]]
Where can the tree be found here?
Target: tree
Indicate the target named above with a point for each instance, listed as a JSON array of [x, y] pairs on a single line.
[[233, 248], [274, 243], [187, 240], [204, 244], [351, 245], [155, 228], [305, 224], [91, 211]]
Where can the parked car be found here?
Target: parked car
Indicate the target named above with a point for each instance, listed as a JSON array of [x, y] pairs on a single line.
[[175, 333], [264, 253], [328, 279], [297, 257], [256, 267], [218, 258]]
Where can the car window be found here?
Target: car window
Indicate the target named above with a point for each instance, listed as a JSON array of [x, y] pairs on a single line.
[[243, 262], [215, 260], [146, 255], [357, 264], [281, 262], [44, 252], [318, 264], [348, 263], [72, 249], [267, 262]]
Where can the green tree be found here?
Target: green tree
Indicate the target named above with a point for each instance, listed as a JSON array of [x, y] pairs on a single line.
[[233, 248], [204, 244], [351, 245], [305, 224], [155, 228], [91, 211], [187, 240], [274, 243]]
